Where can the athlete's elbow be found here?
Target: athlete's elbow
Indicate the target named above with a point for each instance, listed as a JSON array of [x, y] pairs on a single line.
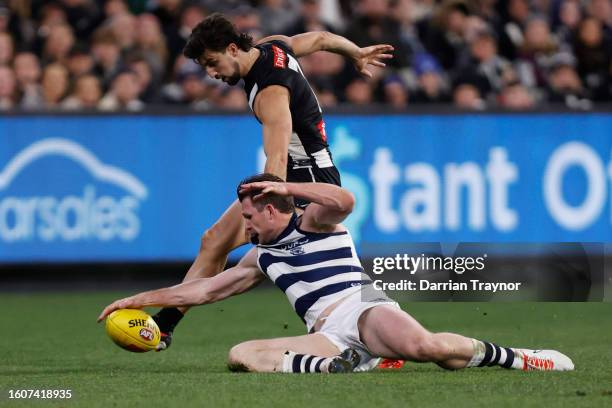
[[322, 40], [347, 203]]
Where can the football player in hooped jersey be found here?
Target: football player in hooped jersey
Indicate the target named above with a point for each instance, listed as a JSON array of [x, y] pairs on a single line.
[[312, 259], [281, 99]]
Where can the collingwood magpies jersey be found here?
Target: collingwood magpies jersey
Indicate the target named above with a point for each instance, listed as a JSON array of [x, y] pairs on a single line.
[[314, 270], [309, 157]]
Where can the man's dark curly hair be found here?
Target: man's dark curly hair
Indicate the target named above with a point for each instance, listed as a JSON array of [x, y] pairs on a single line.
[[215, 33]]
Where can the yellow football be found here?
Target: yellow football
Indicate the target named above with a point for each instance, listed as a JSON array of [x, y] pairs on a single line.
[[133, 330]]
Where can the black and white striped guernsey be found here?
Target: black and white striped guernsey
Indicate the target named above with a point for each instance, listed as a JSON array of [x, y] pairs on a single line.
[[313, 269], [309, 158]]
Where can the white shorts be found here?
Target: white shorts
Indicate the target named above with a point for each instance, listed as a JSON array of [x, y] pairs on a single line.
[[340, 327]]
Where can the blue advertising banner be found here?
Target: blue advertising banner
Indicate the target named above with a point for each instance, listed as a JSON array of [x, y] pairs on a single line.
[[144, 188]]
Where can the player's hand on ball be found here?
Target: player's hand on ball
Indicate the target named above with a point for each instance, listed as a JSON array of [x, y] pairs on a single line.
[[372, 55], [266, 187], [126, 303]]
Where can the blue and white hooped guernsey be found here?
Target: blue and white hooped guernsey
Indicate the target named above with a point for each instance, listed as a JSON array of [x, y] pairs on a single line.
[[314, 269]]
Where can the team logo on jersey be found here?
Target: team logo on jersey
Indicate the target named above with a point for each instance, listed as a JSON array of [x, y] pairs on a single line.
[[279, 57], [297, 251]]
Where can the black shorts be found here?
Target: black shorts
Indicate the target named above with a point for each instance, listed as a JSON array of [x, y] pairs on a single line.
[[311, 174]]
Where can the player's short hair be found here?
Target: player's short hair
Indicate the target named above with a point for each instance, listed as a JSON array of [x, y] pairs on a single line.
[[283, 204], [215, 33]]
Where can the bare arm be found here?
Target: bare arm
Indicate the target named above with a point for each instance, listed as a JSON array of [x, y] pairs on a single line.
[[308, 43], [232, 281], [272, 108], [329, 206]]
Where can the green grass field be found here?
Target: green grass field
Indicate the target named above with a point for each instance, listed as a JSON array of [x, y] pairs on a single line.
[[51, 341]]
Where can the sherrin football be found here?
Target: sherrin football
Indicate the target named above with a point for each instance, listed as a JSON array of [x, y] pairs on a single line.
[[133, 330]]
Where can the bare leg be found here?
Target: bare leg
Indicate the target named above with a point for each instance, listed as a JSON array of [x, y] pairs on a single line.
[[392, 333], [267, 355], [216, 243]]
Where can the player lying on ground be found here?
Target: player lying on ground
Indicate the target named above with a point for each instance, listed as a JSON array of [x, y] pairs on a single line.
[[281, 99], [312, 259]]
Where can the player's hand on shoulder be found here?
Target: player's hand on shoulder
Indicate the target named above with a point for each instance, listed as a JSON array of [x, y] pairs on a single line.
[[372, 55], [266, 187]]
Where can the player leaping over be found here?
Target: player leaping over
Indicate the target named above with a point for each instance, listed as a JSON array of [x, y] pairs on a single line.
[[313, 260], [281, 99]]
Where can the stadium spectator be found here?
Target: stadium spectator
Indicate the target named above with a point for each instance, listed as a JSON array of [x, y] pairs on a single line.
[[80, 61], [114, 8], [192, 14], [601, 10], [594, 53], [324, 71], [151, 43], [308, 20], [277, 15], [147, 82], [516, 96], [488, 70], [232, 99], [8, 88], [373, 25], [168, 14], [6, 49], [535, 53], [326, 96], [431, 85], [82, 15], [107, 55], [191, 87], [124, 27], [58, 44], [54, 85], [395, 92], [443, 34], [566, 22], [5, 17], [86, 95], [403, 12], [467, 96], [359, 92], [123, 94], [247, 20], [514, 16], [49, 16], [28, 73], [564, 84], [483, 43]]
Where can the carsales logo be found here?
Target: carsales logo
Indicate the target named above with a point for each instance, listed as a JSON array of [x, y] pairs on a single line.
[[87, 215]]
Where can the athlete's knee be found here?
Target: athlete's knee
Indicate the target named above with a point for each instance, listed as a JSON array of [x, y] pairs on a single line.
[[237, 357], [213, 239]]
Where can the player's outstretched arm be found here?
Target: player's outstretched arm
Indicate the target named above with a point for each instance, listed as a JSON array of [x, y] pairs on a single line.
[[362, 57], [232, 281]]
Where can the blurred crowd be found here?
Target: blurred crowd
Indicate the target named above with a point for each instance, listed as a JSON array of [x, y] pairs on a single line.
[[475, 54]]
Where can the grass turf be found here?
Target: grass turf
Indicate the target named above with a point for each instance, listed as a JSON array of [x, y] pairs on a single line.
[[51, 341]]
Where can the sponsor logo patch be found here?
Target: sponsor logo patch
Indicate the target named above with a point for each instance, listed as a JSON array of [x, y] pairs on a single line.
[[279, 57], [146, 334]]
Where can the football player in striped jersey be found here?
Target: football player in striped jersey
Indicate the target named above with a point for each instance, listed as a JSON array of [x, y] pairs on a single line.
[[312, 259]]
